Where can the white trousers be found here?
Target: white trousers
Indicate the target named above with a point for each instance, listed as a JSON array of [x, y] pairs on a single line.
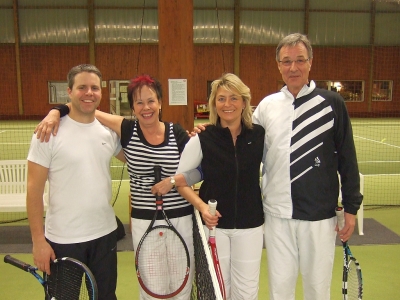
[[294, 245], [239, 253], [184, 226]]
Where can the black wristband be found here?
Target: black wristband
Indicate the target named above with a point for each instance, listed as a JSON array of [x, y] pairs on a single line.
[[63, 109]]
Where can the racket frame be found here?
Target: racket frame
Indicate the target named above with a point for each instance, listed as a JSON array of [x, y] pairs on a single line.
[[43, 280], [212, 204], [159, 208], [348, 259]]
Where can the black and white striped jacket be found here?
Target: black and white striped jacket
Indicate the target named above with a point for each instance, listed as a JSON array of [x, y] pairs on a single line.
[[308, 140]]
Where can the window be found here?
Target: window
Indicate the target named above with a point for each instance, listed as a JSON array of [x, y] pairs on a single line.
[[58, 92], [350, 90], [382, 90]]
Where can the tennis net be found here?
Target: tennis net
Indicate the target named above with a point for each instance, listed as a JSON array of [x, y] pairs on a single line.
[[205, 284]]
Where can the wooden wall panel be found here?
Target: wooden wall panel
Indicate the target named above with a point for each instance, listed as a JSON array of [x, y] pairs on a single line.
[[387, 62], [208, 66], [258, 70], [39, 64], [8, 79], [119, 62]]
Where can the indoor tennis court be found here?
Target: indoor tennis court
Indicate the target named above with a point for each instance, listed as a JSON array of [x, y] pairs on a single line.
[[356, 53]]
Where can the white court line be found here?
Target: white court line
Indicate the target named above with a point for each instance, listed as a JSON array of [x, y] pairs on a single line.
[[378, 161], [379, 142], [376, 125], [370, 175], [11, 129], [15, 143]]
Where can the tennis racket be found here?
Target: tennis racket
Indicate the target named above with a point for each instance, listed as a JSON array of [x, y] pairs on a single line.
[[352, 287], [212, 204], [162, 258], [69, 279]]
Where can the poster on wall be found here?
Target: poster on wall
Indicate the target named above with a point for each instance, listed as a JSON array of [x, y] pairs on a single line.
[[177, 91]]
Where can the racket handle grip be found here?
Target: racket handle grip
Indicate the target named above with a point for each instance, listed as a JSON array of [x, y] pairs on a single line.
[[157, 173], [212, 205], [17, 263], [340, 216], [157, 179]]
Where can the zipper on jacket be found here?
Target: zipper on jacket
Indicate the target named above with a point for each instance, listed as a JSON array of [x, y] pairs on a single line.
[[236, 184]]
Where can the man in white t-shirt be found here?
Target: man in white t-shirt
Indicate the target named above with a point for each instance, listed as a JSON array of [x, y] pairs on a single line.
[[80, 221]]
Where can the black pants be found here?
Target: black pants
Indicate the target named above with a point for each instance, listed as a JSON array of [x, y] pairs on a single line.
[[100, 255]]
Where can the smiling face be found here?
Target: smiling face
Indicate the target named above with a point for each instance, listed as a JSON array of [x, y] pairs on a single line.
[[296, 75], [85, 97], [229, 106], [146, 106]]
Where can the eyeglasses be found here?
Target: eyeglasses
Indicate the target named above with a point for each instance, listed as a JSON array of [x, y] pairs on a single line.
[[298, 62]]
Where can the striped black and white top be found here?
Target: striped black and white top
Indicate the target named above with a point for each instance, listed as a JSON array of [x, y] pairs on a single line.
[[141, 158]]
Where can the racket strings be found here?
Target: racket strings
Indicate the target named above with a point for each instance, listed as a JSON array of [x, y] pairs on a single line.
[[68, 281], [162, 262], [354, 281]]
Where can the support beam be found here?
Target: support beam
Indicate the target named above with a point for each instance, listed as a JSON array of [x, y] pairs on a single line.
[[176, 56]]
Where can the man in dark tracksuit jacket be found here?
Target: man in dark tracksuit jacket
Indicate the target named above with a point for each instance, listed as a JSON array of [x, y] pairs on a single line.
[[308, 141]]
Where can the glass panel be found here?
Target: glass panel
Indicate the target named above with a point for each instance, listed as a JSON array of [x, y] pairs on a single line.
[[387, 29], [211, 3], [58, 92], [273, 4], [332, 28], [266, 27], [54, 26], [382, 90], [205, 26], [119, 103], [125, 3], [350, 90], [7, 26], [340, 4], [124, 25]]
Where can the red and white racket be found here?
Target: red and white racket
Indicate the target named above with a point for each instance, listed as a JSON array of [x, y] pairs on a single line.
[[212, 203]]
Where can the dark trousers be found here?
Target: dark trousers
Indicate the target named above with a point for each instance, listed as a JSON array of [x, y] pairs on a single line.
[[100, 255]]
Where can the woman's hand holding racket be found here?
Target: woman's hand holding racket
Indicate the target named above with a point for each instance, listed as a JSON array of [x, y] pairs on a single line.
[[209, 216]]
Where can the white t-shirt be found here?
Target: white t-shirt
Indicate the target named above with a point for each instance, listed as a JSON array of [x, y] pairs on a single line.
[[78, 159]]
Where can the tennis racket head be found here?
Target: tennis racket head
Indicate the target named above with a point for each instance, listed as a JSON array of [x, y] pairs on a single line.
[[71, 279], [352, 276], [162, 262]]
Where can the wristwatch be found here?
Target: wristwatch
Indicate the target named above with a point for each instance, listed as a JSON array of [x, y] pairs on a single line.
[[172, 180]]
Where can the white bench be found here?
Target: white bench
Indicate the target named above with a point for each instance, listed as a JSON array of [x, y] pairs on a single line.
[[13, 186]]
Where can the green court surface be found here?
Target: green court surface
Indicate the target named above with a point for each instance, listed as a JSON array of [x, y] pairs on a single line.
[[380, 264]]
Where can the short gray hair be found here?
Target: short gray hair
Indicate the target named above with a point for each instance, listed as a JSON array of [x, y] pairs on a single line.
[[292, 40]]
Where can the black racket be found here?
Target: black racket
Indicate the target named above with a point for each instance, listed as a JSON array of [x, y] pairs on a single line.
[[162, 258], [69, 279], [352, 287]]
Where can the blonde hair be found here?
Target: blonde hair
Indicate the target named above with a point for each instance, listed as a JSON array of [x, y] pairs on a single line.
[[231, 82]]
